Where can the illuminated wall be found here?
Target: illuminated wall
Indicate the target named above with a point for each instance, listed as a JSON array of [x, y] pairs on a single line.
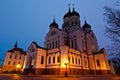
[[14, 61]]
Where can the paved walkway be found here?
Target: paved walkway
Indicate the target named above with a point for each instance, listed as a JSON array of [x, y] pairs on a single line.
[[56, 77]]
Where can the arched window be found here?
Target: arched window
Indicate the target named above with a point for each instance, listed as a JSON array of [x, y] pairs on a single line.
[[66, 40], [15, 56], [49, 45], [52, 44], [76, 22], [9, 62], [58, 59], [69, 59], [54, 59], [56, 44], [42, 60], [75, 47], [72, 44], [76, 60], [98, 63], [10, 56], [72, 60], [49, 61], [86, 62]]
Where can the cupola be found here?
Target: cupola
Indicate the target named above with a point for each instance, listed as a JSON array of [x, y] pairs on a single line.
[[74, 13], [54, 24], [68, 14], [86, 25]]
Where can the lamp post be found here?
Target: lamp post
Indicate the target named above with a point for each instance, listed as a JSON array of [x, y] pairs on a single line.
[[66, 63]]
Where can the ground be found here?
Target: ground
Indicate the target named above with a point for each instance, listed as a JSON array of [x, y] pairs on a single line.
[[56, 77]]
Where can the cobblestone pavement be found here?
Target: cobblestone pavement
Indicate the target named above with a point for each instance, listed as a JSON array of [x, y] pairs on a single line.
[[55, 77]]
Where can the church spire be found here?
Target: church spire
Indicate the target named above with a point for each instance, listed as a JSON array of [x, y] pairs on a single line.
[[73, 7], [69, 8], [68, 14], [15, 45], [54, 20]]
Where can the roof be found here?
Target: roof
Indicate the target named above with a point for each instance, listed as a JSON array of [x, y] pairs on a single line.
[[101, 51], [17, 49], [37, 46]]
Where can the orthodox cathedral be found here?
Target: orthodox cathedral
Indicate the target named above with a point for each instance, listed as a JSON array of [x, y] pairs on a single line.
[[72, 50]]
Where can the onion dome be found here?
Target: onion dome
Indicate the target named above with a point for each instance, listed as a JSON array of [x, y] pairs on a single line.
[[68, 14], [74, 13], [54, 24], [86, 25]]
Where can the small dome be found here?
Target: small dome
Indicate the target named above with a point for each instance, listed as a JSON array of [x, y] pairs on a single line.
[[68, 14], [86, 25], [54, 24], [74, 13]]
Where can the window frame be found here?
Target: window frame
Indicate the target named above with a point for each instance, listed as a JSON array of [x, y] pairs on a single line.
[[42, 60]]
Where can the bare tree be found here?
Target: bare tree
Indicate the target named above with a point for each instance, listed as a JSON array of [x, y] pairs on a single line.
[[113, 20], [112, 17]]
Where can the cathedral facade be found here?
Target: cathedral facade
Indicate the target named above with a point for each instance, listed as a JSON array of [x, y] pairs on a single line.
[[73, 50]]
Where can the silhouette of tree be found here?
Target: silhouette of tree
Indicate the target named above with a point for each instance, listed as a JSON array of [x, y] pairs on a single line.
[[113, 20], [112, 17]]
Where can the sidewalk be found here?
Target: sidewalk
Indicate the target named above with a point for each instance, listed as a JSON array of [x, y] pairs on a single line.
[[57, 77]]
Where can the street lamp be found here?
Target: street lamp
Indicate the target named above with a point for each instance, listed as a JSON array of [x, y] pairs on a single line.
[[18, 66], [66, 63]]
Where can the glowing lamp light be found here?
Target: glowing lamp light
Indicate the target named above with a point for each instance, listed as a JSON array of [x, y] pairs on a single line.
[[18, 66], [66, 61]]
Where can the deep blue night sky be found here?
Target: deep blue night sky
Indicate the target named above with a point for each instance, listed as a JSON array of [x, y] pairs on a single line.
[[28, 20]]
